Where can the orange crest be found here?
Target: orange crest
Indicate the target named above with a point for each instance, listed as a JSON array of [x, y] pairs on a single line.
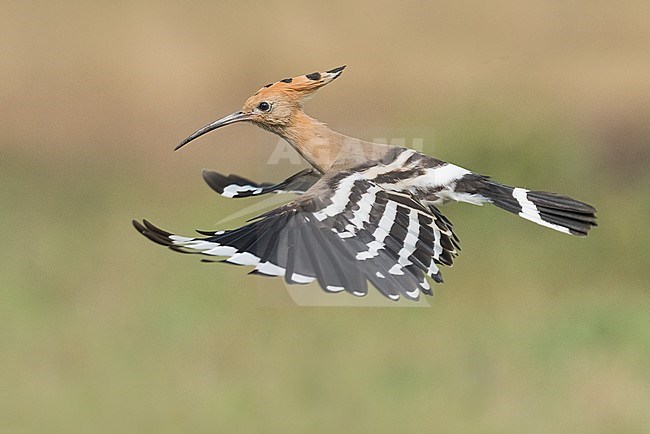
[[302, 85]]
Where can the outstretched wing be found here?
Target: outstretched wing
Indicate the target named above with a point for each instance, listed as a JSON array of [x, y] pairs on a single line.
[[236, 186], [344, 232]]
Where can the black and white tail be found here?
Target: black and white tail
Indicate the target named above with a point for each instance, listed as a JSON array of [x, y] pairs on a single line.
[[557, 212]]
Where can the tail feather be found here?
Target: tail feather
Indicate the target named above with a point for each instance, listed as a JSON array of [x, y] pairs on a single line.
[[555, 201], [557, 212]]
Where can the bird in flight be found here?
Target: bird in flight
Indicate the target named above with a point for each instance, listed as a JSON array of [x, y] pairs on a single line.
[[364, 212]]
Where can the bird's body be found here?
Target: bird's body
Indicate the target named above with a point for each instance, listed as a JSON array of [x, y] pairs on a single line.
[[366, 212]]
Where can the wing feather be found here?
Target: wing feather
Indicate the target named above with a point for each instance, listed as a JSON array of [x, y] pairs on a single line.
[[344, 232]]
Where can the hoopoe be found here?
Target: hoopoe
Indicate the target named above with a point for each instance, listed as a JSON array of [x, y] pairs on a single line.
[[366, 212]]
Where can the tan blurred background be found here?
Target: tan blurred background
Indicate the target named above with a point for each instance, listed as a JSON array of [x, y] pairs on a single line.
[[533, 331]]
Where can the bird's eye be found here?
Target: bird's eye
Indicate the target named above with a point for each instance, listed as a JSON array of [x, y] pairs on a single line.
[[264, 106]]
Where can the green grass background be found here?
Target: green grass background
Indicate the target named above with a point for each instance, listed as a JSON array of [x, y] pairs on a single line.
[[533, 331]]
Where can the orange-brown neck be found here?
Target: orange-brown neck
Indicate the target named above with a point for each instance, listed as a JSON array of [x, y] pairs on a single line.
[[322, 147]]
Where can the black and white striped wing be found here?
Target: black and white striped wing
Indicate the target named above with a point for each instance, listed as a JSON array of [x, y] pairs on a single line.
[[341, 235], [237, 186]]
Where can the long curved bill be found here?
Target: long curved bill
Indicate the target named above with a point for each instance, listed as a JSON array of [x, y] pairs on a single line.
[[227, 120]]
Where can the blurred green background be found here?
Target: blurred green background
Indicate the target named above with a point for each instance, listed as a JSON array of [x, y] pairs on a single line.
[[533, 331]]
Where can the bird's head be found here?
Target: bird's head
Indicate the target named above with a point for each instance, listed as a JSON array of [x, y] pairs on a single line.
[[274, 106]]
